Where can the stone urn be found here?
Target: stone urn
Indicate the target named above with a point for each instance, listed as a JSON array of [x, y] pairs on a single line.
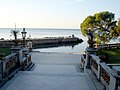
[[91, 43], [16, 42]]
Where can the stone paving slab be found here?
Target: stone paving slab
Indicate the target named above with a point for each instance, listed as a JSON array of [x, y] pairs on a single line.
[[34, 81], [55, 58], [70, 69]]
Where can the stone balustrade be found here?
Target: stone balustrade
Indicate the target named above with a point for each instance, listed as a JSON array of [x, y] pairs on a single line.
[[95, 61], [108, 46], [104, 73], [9, 63], [19, 59]]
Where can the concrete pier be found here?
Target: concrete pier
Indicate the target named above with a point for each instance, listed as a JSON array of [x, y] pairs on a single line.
[[44, 41]]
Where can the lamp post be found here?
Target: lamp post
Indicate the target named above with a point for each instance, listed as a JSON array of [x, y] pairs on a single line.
[[23, 35]]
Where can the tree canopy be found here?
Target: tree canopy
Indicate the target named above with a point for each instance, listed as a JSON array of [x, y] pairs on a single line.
[[101, 24], [116, 31]]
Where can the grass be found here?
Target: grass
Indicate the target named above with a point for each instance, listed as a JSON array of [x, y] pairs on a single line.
[[114, 55], [6, 51]]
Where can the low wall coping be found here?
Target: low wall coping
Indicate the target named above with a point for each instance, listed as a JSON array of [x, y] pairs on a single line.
[[116, 69], [96, 58], [24, 59], [9, 56], [108, 69], [113, 64]]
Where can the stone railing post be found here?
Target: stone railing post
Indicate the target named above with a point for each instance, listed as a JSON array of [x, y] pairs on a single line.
[[1, 69], [18, 50], [99, 71], [88, 52], [112, 85], [97, 66]]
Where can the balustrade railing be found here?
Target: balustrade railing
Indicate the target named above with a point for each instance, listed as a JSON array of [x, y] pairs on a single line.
[[108, 46], [9, 64], [13, 62], [104, 73]]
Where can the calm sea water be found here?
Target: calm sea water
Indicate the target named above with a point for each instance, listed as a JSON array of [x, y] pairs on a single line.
[[41, 33]]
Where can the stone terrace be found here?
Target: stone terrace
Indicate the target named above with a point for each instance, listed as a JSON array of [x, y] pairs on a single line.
[[53, 71]]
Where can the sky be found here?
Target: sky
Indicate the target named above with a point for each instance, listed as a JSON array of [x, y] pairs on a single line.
[[52, 13]]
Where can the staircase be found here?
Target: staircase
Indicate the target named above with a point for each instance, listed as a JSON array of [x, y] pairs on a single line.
[[53, 71]]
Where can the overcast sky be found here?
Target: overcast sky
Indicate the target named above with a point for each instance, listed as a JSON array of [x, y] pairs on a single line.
[[52, 13]]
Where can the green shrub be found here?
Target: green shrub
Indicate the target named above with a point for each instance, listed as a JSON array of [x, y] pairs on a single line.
[[6, 51], [113, 54]]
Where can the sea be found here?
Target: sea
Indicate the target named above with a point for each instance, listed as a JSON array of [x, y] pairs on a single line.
[[5, 33]]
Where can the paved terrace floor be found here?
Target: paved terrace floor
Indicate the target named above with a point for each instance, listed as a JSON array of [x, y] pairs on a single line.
[[53, 71]]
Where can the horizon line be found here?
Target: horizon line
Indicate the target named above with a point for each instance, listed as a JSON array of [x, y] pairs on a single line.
[[35, 28]]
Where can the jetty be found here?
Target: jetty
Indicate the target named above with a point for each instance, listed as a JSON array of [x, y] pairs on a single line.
[[44, 42]]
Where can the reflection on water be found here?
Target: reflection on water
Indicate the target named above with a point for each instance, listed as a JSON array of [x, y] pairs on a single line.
[[71, 48], [55, 45]]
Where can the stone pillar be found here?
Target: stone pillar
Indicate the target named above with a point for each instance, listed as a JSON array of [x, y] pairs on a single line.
[[1, 69], [99, 71], [24, 59], [1, 65], [18, 50], [88, 52], [112, 85]]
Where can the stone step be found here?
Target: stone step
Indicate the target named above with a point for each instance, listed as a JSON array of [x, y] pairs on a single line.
[[67, 69], [29, 80], [51, 74], [31, 66]]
